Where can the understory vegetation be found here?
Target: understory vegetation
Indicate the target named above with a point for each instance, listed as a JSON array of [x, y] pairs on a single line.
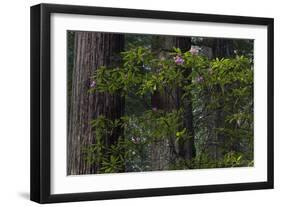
[[179, 109]]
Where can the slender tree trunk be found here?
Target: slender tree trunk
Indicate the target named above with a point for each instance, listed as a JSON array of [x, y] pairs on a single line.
[[91, 51], [159, 149], [187, 148], [222, 48]]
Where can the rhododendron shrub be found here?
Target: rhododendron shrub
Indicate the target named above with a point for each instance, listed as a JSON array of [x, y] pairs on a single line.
[[225, 84]]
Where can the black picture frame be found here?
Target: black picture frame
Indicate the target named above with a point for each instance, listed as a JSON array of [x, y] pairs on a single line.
[[41, 96]]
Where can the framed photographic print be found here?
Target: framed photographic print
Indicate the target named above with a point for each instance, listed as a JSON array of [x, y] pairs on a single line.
[[132, 103]]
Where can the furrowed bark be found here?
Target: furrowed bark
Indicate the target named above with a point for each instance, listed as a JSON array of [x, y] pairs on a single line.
[[169, 100], [91, 51]]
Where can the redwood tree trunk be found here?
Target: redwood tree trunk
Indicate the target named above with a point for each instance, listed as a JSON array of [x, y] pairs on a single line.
[[91, 51], [162, 151]]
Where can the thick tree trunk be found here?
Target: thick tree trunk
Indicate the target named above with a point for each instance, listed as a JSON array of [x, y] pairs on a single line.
[[186, 149], [159, 149], [164, 151], [70, 61], [91, 51]]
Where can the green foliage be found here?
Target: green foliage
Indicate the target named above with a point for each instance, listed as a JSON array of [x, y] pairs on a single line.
[[139, 132], [226, 83]]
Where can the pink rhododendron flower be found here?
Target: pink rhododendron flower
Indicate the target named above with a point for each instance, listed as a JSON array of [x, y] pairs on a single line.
[[178, 60], [199, 79], [93, 84], [194, 51]]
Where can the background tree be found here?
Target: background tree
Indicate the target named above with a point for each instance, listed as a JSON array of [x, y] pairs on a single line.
[[220, 135], [221, 48]]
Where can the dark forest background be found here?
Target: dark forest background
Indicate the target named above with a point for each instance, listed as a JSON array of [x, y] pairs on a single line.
[[151, 102]]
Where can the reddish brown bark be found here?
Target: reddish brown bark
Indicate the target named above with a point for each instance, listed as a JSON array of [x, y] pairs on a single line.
[[91, 51]]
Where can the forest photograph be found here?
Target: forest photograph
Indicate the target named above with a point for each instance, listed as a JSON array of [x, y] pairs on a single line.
[[143, 102]]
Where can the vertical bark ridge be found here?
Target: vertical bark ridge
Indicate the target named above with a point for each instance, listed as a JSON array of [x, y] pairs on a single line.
[[162, 149], [92, 50]]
